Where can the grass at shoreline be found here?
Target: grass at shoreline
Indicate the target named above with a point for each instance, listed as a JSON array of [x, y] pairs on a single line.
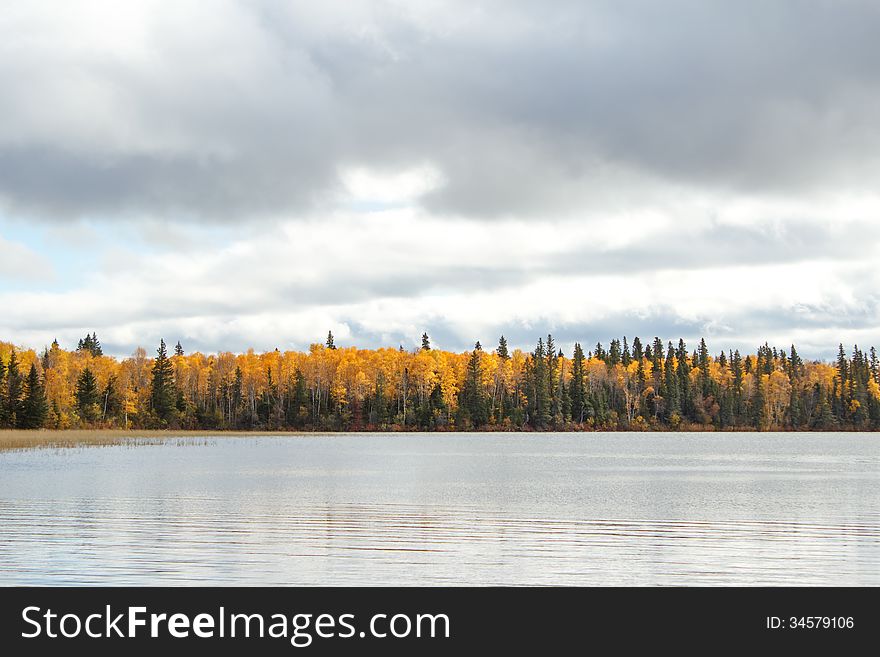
[[18, 439], [14, 439]]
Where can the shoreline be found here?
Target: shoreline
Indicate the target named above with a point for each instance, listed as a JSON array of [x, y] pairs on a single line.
[[21, 439]]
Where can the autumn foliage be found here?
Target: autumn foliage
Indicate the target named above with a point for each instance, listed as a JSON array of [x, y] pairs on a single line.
[[329, 388]]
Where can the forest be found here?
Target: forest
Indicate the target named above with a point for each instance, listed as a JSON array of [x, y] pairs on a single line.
[[624, 386]]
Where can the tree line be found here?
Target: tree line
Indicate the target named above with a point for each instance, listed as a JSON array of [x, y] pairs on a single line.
[[624, 386]]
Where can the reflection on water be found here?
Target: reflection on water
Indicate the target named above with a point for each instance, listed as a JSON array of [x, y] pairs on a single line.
[[448, 509]]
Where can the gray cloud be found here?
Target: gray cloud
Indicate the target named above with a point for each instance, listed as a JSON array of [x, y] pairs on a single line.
[[628, 155], [250, 109]]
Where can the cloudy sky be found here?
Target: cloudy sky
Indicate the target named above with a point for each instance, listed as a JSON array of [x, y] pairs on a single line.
[[235, 174]]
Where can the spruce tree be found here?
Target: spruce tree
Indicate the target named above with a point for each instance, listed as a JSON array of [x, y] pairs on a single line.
[[841, 397], [703, 363], [577, 390], [162, 393], [87, 396], [472, 398], [34, 407], [178, 349], [96, 346], [330, 343], [539, 401], [2, 394], [658, 354], [502, 348], [238, 395], [736, 366], [682, 371], [760, 418], [551, 374], [637, 352], [426, 342], [91, 344], [673, 402], [614, 353], [13, 391]]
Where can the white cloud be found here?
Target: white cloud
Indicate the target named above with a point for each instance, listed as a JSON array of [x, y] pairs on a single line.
[[366, 185], [386, 276], [20, 263]]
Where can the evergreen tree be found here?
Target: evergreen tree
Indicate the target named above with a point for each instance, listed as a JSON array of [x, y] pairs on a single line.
[[614, 353], [91, 344], [703, 363], [238, 396], [162, 393], [672, 406], [539, 398], [96, 346], [736, 366], [841, 396], [178, 350], [683, 381], [298, 408], [760, 417], [637, 352], [13, 391], [658, 355], [87, 396], [3, 418], [565, 395], [824, 417], [502, 348], [472, 404], [577, 389], [426, 342], [330, 344], [552, 388], [34, 407]]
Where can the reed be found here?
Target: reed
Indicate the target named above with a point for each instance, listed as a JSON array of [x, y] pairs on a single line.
[[14, 439]]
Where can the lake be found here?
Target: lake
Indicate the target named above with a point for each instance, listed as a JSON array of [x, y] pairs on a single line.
[[444, 509]]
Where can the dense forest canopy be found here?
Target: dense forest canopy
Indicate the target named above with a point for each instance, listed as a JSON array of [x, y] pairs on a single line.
[[626, 386]]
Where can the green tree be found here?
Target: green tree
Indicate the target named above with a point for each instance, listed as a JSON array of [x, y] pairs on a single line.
[[577, 389], [538, 389], [760, 418], [703, 364], [34, 407], [91, 344], [87, 396], [13, 391], [3, 419], [426, 342], [162, 394], [472, 402], [330, 343], [682, 372], [672, 404]]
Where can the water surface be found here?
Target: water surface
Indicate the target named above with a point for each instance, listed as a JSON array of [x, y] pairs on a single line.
[[443, 509]]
